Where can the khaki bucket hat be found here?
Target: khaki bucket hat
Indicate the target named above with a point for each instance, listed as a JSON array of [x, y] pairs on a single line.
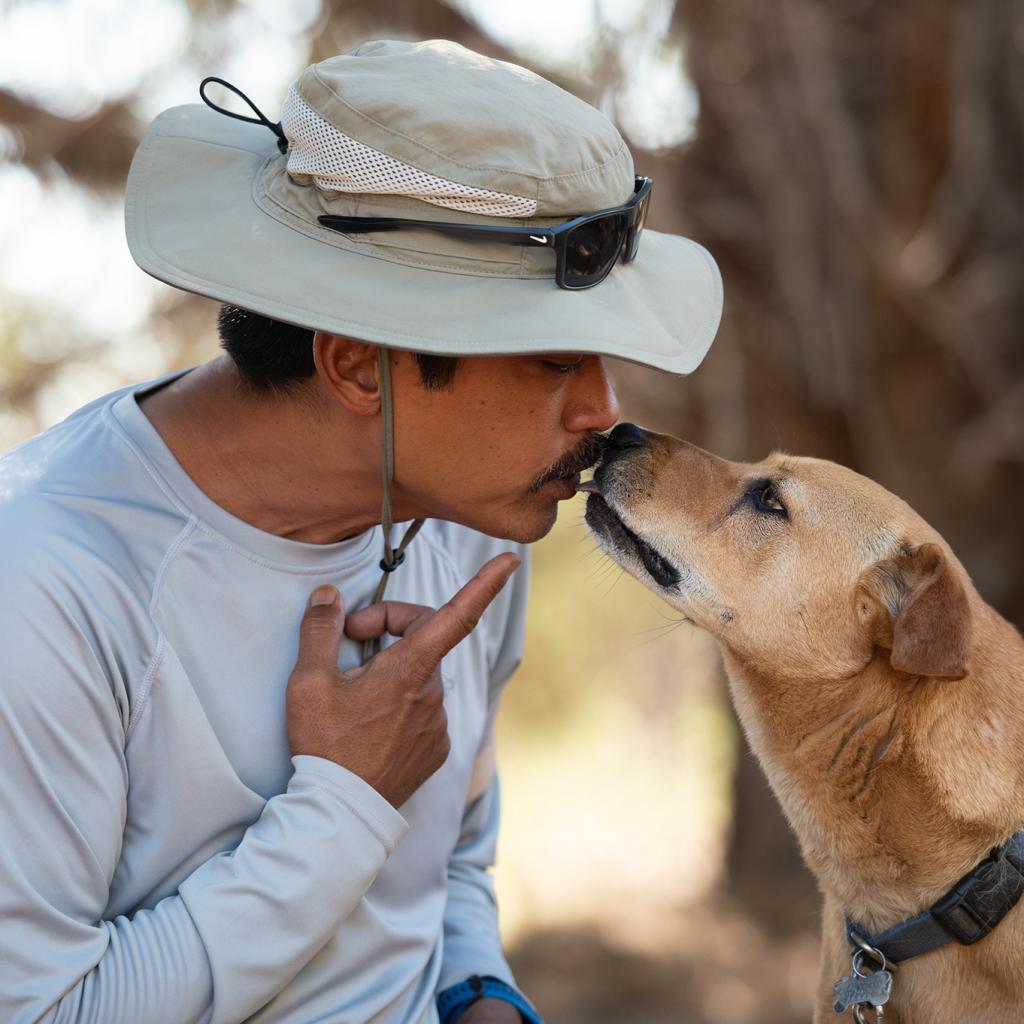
[[427, 131]]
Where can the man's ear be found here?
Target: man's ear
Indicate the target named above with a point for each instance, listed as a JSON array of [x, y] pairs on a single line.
[[917, 607], [350, 371]]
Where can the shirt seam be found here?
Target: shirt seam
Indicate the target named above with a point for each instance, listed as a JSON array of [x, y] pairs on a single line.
[[161, 484], [444, 555], [141, 701], [212, 532], [294, 570], [453, 569]]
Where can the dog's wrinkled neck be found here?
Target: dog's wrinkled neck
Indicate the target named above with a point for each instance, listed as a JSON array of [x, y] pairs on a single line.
[[879, 775]]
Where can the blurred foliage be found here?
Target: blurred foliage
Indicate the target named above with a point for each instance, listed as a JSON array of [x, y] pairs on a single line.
[[856, 170]]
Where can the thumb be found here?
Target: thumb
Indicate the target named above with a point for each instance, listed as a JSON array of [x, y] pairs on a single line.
[[321, 630]]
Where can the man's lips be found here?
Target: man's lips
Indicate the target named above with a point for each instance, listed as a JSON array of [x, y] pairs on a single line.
[[565, 487], [565, 472]]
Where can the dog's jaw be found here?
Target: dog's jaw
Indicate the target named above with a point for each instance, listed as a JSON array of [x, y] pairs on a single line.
[[631, 551], [674, 581]]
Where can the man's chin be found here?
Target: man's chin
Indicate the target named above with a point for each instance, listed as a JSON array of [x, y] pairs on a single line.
[[524, 523], [527, 531]]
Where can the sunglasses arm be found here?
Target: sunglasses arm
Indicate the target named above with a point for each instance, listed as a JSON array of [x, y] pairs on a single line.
[[539, 237]]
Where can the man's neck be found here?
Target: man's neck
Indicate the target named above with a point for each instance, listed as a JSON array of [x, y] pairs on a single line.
[[280, 463]]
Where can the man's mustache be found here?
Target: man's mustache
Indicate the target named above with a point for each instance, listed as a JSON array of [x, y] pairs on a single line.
[[585, 455]]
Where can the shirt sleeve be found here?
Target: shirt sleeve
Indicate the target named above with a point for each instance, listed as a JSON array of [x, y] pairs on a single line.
[[472, 940], [231, 937]]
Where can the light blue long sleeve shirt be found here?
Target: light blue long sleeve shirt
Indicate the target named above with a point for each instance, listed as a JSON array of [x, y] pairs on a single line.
[[163, 859]]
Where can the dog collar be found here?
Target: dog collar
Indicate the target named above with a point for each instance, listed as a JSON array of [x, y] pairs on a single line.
[[967, 913]]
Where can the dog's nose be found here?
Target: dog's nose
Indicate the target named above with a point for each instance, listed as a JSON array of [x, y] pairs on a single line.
[[627, 435]]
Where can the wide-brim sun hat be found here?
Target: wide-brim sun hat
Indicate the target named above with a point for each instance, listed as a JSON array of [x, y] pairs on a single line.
[[425, 131]]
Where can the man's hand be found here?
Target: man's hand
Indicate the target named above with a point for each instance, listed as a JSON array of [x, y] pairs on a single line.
[[385, 720], [491, 1011]]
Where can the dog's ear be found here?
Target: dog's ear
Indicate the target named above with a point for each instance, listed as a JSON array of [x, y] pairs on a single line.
[[917, 608]]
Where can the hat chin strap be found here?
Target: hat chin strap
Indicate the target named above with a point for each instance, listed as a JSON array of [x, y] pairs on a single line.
[[393, 558]]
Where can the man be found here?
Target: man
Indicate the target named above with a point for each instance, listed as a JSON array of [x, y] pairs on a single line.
[[204, 817]]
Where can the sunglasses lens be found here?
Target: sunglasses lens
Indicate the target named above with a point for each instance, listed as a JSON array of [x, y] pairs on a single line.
[[634, 235], [592, 248]]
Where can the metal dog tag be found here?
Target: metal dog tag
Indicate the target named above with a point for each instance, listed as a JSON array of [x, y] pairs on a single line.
[[874, 989]]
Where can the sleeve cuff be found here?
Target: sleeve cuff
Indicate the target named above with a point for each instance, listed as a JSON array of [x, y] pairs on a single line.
[[358, 795], [454, 1001]]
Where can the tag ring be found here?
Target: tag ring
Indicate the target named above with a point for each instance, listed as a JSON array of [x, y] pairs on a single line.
[[875, 954], [866, 947]]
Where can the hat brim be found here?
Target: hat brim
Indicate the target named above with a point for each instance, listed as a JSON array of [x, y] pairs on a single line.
[[192, 221]]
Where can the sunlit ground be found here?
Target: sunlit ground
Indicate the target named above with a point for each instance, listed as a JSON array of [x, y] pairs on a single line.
[[615, 750]]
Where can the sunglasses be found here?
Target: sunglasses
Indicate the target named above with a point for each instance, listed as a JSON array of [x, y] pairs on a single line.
[[586, 247]]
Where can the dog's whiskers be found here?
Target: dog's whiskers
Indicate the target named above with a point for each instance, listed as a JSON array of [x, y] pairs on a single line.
[[604, 579], [598, 572], [660, 633], [646, 637]]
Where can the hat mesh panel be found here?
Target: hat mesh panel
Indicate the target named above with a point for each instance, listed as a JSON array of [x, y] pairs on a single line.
[[339, 163]]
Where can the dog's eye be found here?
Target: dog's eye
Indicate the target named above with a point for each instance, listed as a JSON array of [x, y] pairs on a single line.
[[766, 498]]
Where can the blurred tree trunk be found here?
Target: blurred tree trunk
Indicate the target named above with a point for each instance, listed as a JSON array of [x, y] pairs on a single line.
[[857, 173], [764, 870]]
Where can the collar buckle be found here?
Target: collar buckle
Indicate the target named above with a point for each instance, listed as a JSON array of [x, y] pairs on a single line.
[[980, 900]]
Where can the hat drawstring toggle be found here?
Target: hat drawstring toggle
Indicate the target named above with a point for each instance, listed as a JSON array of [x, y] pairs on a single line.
[[260, 118]]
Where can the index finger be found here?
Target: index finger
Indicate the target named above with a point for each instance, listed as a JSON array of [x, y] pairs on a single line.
[[454, 621]]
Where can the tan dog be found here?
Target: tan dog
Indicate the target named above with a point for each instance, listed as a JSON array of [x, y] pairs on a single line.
[[882, 695]]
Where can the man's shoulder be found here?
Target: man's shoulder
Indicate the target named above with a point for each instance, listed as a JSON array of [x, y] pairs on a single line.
[[72, 451], [77, 493], [82, 535]]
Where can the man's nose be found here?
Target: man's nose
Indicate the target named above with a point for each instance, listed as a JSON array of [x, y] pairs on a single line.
[[594, 406]]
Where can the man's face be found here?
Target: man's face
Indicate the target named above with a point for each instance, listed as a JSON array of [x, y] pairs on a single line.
[[500, 448]]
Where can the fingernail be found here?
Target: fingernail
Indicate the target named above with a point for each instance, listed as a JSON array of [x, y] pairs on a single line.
[[323, 595]]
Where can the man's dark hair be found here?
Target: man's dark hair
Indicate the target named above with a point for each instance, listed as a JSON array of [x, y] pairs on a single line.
[[275, 356]]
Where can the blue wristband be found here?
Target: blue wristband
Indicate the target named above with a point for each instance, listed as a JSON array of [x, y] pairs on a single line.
[[453, 1001]]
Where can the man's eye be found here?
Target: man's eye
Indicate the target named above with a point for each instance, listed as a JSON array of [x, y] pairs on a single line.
[[766, 498], [563, 368]]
